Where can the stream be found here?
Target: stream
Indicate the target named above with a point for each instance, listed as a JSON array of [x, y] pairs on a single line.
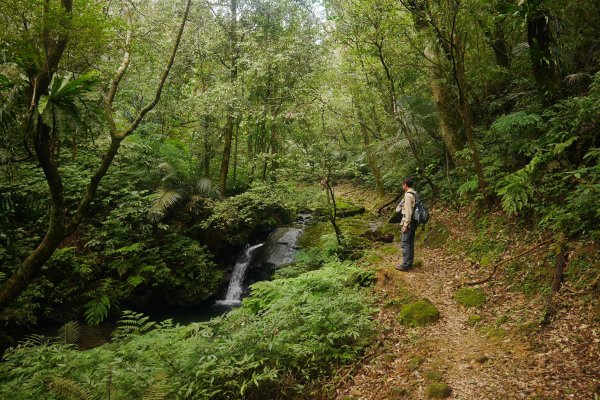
[[254, 263]]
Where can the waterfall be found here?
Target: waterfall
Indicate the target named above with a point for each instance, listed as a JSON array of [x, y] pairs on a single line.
[[235, 289]]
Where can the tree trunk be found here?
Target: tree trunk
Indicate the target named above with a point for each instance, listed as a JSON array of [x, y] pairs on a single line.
[[366, 140], [228, 131], [226, 153], [332, 210], [58, 228], [235, 152], [467, 117], [445, 105], [543, 62]]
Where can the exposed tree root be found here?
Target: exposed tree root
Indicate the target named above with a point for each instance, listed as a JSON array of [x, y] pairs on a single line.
[[524, 253]]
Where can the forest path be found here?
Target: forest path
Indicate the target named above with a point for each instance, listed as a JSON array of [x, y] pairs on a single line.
[[475, 365], [505, 355]]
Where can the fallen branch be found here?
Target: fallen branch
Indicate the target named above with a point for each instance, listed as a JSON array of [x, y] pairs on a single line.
[[395, 199], [524, 253]]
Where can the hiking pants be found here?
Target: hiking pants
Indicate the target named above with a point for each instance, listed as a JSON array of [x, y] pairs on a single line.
[[408, 245]]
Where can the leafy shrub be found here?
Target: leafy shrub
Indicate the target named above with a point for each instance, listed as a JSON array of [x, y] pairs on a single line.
[[234, 219], [290, 331]]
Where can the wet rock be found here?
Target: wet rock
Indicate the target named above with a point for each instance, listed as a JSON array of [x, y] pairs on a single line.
[[279, 249]]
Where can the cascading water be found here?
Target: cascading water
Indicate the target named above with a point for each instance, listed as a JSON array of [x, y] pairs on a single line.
[[235, 289]]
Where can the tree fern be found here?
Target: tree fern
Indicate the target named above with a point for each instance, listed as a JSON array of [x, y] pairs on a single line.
[[165, 200], [516, 122]]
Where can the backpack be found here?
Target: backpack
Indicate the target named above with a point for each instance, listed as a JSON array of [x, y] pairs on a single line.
[[421, 212]]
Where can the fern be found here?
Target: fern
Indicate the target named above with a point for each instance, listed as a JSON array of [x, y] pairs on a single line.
[[132, 324], [34, 340], [469, 187], [516, 194], [159, 389], [97, 310], [68, 389], [516, 122], [165, 200], [69, 333]]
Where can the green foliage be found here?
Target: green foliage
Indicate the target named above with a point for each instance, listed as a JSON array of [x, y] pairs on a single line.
[[69, 333], [564, 195], [96, 310], [470, 297], [516, 123], [234, 219], [418, 314], [296, 328]]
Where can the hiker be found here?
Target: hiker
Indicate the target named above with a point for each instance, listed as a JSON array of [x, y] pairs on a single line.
[[408, 225]]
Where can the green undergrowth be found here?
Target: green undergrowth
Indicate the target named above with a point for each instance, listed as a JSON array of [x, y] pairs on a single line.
[[433, 235], [285, 337], [490, 241]]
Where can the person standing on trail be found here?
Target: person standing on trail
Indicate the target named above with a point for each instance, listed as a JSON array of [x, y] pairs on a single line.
[[408, 225]]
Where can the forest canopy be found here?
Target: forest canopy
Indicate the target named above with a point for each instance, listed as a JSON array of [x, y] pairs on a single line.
[[141, 142]]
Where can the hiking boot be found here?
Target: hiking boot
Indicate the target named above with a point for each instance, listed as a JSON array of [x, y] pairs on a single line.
[[402, 268]]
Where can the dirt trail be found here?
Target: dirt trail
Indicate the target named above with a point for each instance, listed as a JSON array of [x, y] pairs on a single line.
[[489, 359], [473, 365]]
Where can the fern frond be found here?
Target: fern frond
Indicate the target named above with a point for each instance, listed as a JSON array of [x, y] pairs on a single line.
[[97, 310], [69, 333], [521, 49], [132, 324], [34, 340], [516, 122], [68, 389], [165, 200], [159, 390], [576, 78]]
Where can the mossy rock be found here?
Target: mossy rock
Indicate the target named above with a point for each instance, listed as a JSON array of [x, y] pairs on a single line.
[[378, 236], [343, 208], [438, 390], [363, 278], [400, 391], [395, 218], [470, 297], [419, 313]]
